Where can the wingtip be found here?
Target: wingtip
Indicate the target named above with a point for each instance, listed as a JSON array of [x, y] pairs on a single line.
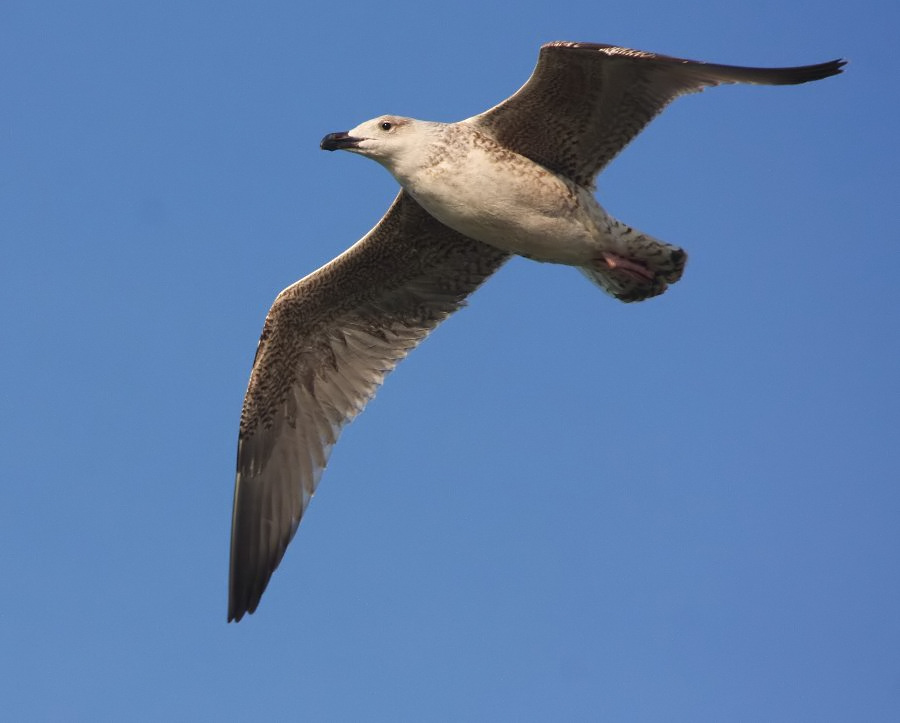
[[244, 597], [236, 611], [825, 70]]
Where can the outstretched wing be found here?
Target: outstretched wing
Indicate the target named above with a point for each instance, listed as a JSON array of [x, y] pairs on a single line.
[[327, 344], [585, 102]]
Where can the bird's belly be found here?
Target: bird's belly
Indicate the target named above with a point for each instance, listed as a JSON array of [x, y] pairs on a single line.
[[537, 215], [544, 238]]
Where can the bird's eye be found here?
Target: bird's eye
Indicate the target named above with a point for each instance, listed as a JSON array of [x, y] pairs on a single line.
[[386, 125]]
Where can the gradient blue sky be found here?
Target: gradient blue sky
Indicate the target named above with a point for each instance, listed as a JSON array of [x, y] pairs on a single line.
[[560, 507]]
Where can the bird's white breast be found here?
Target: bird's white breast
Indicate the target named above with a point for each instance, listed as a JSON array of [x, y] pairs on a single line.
[[501, 198]]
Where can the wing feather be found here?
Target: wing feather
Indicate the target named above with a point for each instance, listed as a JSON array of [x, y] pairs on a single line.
[[326, 346], [585, 102]]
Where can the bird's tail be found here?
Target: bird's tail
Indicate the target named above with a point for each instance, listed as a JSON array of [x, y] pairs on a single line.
[[636, 266]]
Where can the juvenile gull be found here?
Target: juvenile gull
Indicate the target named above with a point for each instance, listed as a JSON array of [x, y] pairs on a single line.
[[516, 179]]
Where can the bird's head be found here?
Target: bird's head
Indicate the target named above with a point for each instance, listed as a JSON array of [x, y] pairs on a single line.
[[388, 139]]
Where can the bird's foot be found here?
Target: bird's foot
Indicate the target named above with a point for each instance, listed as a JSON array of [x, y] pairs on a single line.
[[630, 268]]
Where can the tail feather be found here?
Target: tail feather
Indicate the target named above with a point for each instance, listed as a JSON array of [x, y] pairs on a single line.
[[638, 267]]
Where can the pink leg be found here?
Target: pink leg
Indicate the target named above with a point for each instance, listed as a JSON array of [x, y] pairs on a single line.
[[629, 267]]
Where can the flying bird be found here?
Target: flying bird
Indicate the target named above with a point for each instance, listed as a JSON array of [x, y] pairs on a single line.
[[516, 179]]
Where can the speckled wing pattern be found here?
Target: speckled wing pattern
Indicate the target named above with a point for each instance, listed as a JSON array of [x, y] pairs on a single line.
[[585, 102], [327, 344]]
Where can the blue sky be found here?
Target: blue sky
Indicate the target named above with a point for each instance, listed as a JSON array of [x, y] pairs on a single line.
[[560, 507]]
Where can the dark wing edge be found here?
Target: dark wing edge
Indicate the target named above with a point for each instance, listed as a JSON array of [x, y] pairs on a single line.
[[327, 344], [584, 102], [789, 75]]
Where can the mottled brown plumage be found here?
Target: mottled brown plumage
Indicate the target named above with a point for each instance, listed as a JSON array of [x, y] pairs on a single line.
[[585, 102], [327, 343], [329, 339]]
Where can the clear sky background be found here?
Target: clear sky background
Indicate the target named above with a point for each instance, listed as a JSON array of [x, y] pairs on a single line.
[[559, 507]]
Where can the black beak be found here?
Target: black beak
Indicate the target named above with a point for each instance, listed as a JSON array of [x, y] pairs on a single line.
[[338, 141]]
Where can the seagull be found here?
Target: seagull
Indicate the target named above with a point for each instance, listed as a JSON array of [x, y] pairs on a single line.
[[516, 179]]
